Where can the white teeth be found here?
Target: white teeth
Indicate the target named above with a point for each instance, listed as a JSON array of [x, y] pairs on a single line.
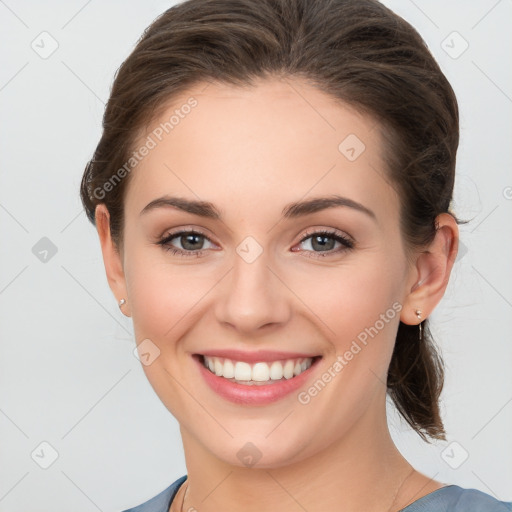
[[288, 369], [276, 371], [258, 372], [217, 366], [242, 371], [228, 370]]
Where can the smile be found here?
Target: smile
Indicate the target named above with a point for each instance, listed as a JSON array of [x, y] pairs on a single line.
[[255, 383], [261, 372]]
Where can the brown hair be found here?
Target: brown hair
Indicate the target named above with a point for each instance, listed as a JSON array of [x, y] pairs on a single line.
[[358, 52]]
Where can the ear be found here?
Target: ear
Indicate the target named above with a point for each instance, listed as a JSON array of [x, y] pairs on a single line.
[[112, 258], [431, 272]]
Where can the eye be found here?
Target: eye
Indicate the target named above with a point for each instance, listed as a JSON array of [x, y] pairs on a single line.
[[191, 243], [324, 241]]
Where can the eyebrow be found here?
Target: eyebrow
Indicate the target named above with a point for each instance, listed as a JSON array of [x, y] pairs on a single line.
[[290, 211]]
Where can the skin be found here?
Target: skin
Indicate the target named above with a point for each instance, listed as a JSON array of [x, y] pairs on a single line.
[[251, 151]]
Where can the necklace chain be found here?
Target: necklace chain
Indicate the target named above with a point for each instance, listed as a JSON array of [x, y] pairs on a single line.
[[185, 491], [399, 487]]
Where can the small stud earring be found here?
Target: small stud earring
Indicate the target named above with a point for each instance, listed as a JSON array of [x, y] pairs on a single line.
[[418, 314], [122, 302]]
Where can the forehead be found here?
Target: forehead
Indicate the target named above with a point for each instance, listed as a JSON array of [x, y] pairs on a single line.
[[279, 139]]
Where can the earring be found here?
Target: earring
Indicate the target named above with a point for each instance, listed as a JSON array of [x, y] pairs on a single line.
[[418, 314], [122, 302]]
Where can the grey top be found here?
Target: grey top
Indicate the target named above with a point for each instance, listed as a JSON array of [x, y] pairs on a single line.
[[450, 498]]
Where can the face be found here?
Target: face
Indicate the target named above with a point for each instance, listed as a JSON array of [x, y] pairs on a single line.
[[267, 266]]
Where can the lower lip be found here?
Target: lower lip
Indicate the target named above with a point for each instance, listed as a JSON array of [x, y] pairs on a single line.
[[254, 394]]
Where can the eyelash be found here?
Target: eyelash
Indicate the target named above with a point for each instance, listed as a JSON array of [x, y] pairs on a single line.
[[347, 243]]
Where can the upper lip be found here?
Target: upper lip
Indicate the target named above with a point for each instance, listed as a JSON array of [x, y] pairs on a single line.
[[255, 356]]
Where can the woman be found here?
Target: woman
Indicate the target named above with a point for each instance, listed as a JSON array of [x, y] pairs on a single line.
[[272, 196]]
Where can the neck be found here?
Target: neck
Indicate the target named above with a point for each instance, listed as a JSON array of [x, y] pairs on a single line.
[[363, 470]]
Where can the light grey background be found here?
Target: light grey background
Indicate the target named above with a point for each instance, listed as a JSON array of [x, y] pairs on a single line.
[[68, 376]]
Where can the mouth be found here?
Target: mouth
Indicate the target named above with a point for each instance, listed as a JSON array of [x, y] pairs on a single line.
[[255, 383], [259, 373]]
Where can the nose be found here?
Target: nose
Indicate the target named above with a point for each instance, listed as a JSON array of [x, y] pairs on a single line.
[[253, 298]]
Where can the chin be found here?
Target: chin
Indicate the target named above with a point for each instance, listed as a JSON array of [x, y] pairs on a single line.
[[260, 452]]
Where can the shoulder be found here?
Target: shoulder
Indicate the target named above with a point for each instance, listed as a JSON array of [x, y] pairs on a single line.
[[453, 498], [162, 501], [470, 500]]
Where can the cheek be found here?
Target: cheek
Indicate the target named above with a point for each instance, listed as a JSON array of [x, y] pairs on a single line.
[[350, 298], [165, 297], [359, 312]]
